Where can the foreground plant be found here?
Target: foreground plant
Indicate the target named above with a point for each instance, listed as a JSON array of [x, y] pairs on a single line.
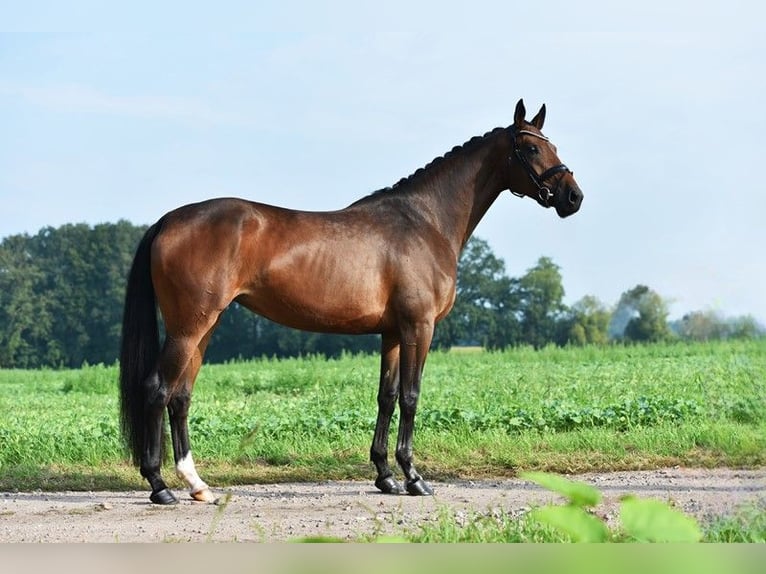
[[642, 520]]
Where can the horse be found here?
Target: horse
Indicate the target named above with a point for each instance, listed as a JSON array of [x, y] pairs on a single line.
[[386, 264]]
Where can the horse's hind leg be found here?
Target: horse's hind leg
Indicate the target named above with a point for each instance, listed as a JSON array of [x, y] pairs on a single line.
[[387, 393], [178, 409], [162, 388], [151, 458]]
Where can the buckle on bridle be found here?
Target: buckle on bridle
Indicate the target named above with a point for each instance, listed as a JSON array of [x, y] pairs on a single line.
[[545, 195]]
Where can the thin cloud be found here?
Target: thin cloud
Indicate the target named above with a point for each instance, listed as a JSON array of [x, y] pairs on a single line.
[[77, 98]]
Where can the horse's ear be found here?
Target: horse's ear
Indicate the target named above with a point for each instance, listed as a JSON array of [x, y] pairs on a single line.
[[519, 114], [539, 119]]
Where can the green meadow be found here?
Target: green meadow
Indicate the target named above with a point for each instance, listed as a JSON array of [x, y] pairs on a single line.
[[481, 414]]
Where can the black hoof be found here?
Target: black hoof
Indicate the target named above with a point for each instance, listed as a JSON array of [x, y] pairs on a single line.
[[418, 487], [163, 496], [388, 485]]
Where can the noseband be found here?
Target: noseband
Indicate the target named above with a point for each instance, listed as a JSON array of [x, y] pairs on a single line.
[[544, 192]]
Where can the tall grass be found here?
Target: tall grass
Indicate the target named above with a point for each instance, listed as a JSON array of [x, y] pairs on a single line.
[[480, 413]]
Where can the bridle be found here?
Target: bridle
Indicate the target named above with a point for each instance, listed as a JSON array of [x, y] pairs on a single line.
[[544, 192]]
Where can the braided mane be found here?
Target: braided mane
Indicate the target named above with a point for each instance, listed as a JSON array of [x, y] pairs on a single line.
[[433, 165]]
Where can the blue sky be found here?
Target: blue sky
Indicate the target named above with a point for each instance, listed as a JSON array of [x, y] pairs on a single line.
[[658, 107]]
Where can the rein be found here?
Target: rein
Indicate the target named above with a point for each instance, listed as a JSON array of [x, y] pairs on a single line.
[[544, 192]]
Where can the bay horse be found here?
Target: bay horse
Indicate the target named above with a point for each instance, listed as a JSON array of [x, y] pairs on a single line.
[[385, 264]]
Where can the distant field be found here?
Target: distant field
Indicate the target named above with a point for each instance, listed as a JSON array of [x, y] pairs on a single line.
[[481, 414]]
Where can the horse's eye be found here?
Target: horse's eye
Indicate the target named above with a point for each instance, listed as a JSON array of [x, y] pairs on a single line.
[[533, 150]]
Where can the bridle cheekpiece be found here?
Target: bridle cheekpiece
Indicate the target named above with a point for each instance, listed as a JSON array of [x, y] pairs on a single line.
[[544, 192]]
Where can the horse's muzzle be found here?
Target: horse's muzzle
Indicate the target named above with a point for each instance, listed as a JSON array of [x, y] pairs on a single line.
[[568, 200]]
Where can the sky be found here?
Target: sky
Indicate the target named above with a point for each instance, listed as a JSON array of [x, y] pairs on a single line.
[[110, 113]]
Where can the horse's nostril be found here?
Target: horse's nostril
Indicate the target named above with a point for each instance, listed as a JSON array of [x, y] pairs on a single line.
[[575, 196]]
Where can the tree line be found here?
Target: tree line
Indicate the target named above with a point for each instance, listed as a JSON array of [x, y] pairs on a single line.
[[62, 290]]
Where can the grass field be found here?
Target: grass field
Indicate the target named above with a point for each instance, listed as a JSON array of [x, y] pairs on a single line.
[[480, 414]]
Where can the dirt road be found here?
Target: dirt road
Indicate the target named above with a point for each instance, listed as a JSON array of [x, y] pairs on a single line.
[[345, 510]]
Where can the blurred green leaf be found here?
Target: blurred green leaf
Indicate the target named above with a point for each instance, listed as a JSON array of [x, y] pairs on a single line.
[[573, 521], [578, 493], [647, 520]]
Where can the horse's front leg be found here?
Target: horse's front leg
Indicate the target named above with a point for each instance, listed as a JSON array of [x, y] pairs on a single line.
[[387, 393], [415, 345]]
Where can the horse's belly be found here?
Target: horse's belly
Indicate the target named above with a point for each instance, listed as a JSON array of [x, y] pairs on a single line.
[[336, 285], [316, 310]]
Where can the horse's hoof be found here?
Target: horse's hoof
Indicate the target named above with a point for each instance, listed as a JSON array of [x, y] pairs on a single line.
[[163, 496], [204, 495], [388, 485], [418, 487]]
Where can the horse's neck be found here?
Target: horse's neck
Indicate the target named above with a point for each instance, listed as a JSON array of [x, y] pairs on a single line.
[[462, 190]]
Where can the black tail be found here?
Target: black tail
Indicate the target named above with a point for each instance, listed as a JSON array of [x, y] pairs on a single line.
[[140, 346]]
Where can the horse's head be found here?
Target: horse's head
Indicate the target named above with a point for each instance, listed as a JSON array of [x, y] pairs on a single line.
[[535, 169]]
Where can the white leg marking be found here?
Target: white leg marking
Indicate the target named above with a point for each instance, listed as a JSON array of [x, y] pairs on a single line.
[[186, 471]]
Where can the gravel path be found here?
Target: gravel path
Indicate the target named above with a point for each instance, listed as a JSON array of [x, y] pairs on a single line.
[[346, 510]]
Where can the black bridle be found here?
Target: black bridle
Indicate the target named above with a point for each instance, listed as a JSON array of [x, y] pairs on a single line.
[[544, 192]]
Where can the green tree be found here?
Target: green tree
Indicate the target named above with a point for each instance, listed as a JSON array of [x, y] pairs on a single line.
[[710, 325], [744, 327], [483, 313], [85, 271], [62, 293], [587, 323], [641, 316], [236, 337], [701, 326], [25, 315], [279, 341], [540, 295], [62, 255], [242, 334]]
